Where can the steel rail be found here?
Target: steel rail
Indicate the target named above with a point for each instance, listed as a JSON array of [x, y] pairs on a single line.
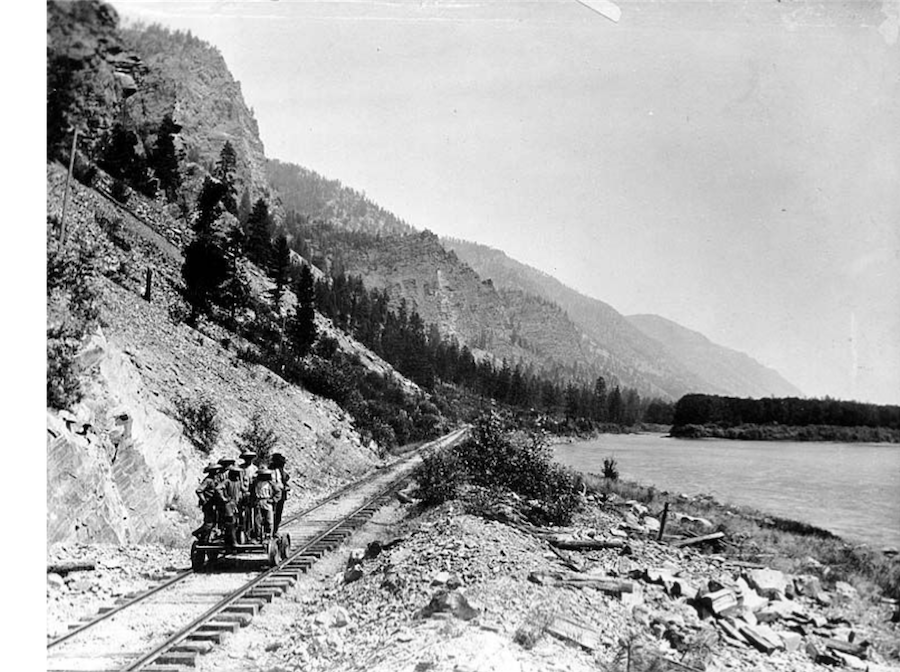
[[188, 629], [115, 610], [290, 519], [220, 606]]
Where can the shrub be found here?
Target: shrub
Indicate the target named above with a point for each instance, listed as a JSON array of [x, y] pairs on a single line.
[[259, 437], [72, 310], [498, 459], [610, 469], [200, 421], [112, 227], [439, 477]]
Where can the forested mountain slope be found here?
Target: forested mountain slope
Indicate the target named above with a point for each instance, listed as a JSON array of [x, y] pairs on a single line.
[[651, 340]]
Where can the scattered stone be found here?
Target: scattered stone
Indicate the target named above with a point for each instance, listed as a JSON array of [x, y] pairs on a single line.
[[749, 598], [760, 636], [721, 602], [769, 583], [791, 641], [452, 602], [333, 617], [845, 590], [353, 573], [651, 524], [55, 581]]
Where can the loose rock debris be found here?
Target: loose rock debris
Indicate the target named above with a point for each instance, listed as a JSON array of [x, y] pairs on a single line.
[[456, 592]]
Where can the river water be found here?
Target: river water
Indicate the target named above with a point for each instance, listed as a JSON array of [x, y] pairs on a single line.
[[851, 489]]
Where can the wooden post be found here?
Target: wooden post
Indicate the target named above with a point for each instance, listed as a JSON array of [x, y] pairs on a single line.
[[148, 284], [62, 224], [662, 522]]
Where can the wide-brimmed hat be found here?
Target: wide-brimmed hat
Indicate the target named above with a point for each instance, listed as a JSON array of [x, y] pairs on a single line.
[[248, 455], [211, 467], [276, 457], [263, 473], [234, 470], [227, 461]]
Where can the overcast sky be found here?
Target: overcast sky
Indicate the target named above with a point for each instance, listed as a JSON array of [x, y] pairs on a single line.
[[733, 166]]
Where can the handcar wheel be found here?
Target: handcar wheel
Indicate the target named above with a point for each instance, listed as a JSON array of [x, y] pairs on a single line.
[[196, 558], [272, 549], [212, 556]]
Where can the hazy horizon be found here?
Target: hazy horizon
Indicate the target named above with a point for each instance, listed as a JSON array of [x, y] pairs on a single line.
[[731, 166]]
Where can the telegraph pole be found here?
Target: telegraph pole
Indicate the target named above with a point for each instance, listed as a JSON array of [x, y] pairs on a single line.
[[62, 224]]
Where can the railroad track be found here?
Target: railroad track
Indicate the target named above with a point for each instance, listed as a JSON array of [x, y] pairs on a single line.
[[165, 628]]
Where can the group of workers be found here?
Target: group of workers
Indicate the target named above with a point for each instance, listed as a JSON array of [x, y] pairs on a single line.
[[243, 500]]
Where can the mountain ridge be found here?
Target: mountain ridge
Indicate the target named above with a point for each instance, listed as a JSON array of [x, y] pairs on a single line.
[[734, 372]]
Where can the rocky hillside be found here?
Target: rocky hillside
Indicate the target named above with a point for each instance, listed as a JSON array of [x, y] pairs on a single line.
[[119, 466], [734, 371], [680, 357]]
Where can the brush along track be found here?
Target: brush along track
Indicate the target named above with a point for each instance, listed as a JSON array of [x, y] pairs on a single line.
[[166, 628]]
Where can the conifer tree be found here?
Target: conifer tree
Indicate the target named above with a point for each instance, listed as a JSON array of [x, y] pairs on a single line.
[[280, 268], [302, 325], [259, 234], [166, 157], [235, 292], [224, 172], [205, 267]]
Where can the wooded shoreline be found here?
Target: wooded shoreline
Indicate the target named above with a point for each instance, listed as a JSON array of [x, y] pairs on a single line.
[[776, 432]]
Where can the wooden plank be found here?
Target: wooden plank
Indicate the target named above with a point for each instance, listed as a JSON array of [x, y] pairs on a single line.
[[601, 582], [573, 631], [699, 540], [63, 568], [587, 544]]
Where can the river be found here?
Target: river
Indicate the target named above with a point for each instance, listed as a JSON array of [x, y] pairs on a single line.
[[851, 489]]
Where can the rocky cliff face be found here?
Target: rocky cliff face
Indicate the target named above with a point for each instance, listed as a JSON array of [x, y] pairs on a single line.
[[90, 73], [188, 78]]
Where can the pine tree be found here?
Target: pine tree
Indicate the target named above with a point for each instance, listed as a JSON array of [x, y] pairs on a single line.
[[206, 268], [259, 234], [243, 213], [280, 268], [235, 294], [166, 157], [225, 168], [302, 325]]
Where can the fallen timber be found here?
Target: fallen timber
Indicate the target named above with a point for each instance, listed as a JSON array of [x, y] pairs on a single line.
[[602, 582]]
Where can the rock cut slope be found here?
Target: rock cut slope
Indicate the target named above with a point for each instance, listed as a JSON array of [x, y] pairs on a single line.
[[119, 468]]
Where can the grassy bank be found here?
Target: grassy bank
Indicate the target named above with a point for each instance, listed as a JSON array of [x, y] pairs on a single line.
[[788, 545]]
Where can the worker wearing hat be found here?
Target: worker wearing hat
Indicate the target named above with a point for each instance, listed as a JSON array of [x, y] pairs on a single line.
[[280, 478], [226, 463], [248, 476], [232, 494], [265, 493], [209, 498]]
